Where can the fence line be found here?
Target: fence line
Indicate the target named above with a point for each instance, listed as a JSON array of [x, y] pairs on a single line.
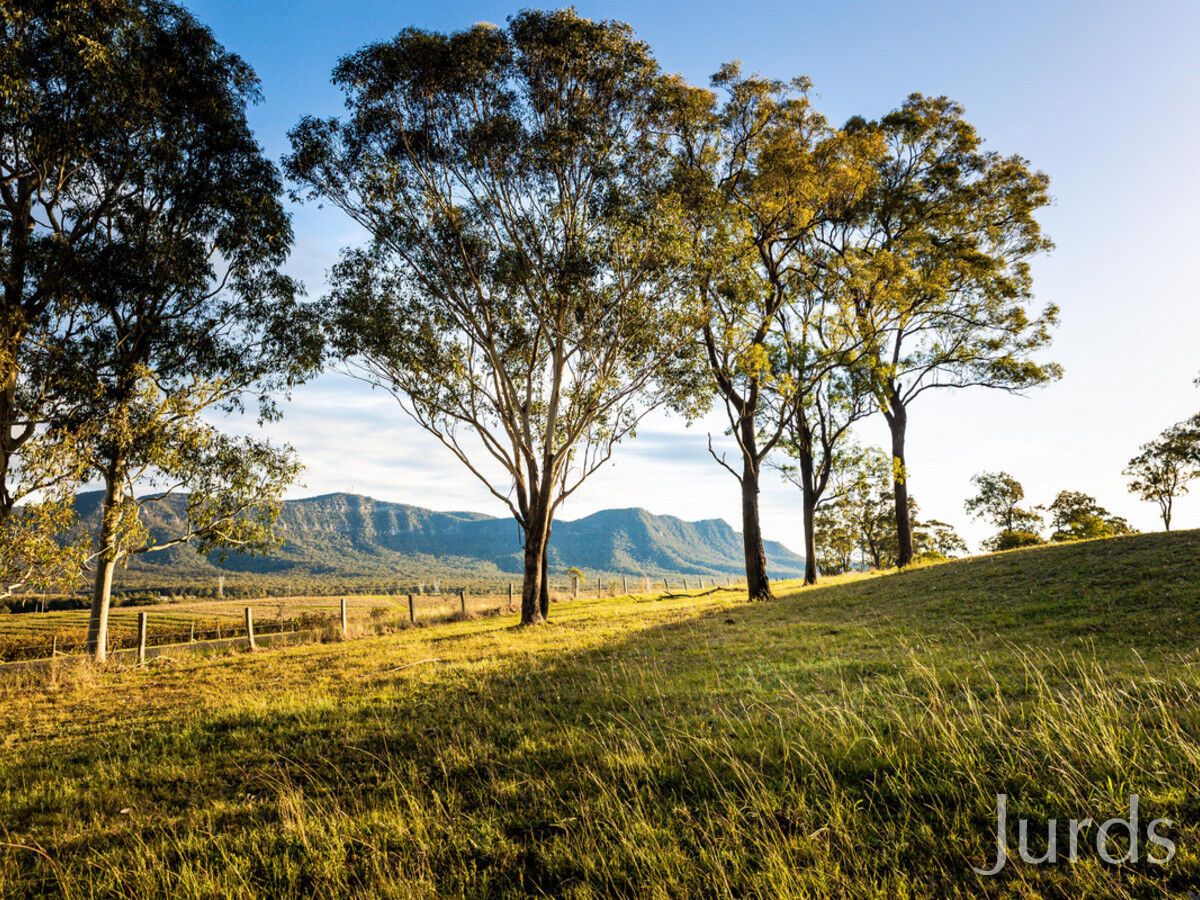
[[225, 633]]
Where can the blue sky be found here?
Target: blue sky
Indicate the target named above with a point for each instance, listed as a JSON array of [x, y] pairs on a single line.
[[1105, 97]]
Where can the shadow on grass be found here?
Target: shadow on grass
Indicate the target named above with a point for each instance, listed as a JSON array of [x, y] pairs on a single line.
[[841, 741]]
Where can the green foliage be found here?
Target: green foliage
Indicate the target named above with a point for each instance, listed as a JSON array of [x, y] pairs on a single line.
[[862, 516], [935, 540], [520, 294], [1075, 516], [187, 312], [33, 556], [935, 272], [1013, 538], [998, 502], [759, 172], [1166, 466], [836, 540]]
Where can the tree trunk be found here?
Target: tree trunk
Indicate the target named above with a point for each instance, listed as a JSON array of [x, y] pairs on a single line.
[[897, 419], [758, 586], [106, 562], [544, 592], [8, 444], [536, 535], [808, 493]]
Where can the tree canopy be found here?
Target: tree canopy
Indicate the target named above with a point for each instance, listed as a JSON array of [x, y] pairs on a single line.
[[520, 293], [760, 172], [935, 269]]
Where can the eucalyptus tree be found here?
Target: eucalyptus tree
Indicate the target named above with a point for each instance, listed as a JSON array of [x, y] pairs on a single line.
[[936, 270], [519, 291], [1076, 516], [760, 173], [815, 437], [1165, 467], [998, 500], [74, 117], [862, 478], [189, 315], [828, 391]]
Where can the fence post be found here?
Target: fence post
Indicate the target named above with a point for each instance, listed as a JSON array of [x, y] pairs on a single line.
[[412, 611], [54, 647], [666, 585], [574, 587], [462, 600], [250, 628], [625, 584], [345, 621], [141, 638], [510, 595], [685, 584]]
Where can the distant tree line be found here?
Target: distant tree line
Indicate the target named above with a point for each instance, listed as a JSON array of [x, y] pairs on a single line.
[[561, 239]]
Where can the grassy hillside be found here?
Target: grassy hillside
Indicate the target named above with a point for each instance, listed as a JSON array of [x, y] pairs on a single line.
[[846, 740]]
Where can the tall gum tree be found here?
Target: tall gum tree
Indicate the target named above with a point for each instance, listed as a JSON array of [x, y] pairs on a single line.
[[519, 292], [831, 398], [189, 314], [935, 271], [760, 173], [74, 116]]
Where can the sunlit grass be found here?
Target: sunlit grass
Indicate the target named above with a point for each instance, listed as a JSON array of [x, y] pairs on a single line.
[[845, 740]]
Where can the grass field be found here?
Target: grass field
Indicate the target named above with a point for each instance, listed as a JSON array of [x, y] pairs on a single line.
[[846, 740], [32, 635]]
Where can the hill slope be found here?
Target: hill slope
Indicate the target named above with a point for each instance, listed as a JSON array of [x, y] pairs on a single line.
[[848, 740], [352, 535]]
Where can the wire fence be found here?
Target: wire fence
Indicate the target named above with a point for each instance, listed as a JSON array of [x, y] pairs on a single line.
[[36, 635]]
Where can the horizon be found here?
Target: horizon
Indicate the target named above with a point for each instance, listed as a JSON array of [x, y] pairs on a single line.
[[1097, 98]]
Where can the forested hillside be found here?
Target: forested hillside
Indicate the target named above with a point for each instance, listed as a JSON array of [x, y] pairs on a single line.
[[343, 535]]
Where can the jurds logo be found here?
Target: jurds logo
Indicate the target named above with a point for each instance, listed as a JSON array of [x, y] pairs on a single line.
[[1116, 841]]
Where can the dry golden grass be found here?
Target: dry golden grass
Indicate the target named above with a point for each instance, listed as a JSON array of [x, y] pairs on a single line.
[[845, 741]]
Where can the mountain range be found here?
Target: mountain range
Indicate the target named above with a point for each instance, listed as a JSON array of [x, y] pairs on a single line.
[[349, 535]]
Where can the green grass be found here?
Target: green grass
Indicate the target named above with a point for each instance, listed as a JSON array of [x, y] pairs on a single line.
[[846, 740], [32, 635]]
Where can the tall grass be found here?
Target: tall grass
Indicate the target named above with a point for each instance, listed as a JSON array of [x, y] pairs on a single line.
[[841, 742]]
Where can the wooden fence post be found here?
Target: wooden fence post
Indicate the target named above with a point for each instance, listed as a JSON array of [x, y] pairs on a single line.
[[250, 629], [462, 600], [666, 585], [574, 587], [510, 595], [625, 584], [54, 647], [685, 584], [141, 638], [412, 611], [345, 621]]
